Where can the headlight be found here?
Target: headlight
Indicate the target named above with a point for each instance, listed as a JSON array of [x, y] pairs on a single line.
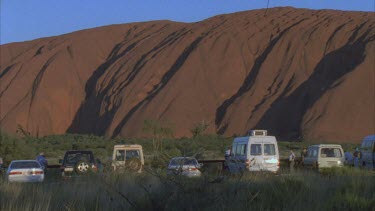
[[338, 162]]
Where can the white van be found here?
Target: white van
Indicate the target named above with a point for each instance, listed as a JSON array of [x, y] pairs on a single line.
[[256, 152], [367, 157], [324, 156]]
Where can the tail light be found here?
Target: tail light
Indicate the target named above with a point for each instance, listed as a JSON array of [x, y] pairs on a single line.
[[247, 162], [94, 167], [15, 173], [38, 172], [193, 169]]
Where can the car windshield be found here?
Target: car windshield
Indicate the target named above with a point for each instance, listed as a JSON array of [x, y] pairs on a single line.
[[74, 157], [25, 165], [183, 161]]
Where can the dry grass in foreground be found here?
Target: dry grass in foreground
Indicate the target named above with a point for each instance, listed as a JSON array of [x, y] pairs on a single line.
[[348, 189]]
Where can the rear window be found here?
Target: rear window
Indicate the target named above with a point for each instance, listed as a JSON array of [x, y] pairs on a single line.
[[133, 154], [187, 161], [256, 149], [120, 155], [269, 149], [25, 165], [330, 153], [74, 157]]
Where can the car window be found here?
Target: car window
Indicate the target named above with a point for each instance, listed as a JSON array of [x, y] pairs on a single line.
[[255, 149], [25, 165], [368, 145], [234, 149], [269, 149], [120, 155], [176, 162], [132, 154], [330, 152], [241, 149], [190, 162], [74, 157], [312, 152]]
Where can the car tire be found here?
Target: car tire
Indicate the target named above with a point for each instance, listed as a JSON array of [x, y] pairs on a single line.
[[82, 167], [133, 164]]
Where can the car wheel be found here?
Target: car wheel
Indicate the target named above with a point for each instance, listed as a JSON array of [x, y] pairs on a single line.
[[133, 164], [82, 167]]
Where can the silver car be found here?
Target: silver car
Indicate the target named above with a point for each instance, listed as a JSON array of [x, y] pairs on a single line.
[[25, 171], [184, 166]]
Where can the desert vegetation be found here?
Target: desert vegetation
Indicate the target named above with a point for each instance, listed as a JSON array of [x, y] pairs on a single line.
[[161, 148], [349, 189]]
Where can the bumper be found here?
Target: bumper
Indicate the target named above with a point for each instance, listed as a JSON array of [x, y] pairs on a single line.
[[185, 173], [33, 178], [191, 174]]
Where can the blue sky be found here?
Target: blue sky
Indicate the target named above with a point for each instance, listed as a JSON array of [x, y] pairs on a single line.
[[31, 19]]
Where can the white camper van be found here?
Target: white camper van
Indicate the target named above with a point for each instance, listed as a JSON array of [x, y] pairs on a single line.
[[255, 152]]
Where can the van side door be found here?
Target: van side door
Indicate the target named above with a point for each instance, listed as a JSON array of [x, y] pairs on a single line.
[[238, 157], [241, 151], [312, 157]]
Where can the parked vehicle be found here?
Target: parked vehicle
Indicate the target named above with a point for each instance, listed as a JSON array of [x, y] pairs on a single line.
[[128, 157], [367, 152], [324, 156], [78, 162], [255, 152], [184, 166], [25, 171]]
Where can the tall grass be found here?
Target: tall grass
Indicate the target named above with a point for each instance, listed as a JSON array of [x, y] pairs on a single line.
[[153, 190]]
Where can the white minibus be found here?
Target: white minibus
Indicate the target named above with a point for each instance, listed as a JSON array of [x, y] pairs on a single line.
[[255, 152]]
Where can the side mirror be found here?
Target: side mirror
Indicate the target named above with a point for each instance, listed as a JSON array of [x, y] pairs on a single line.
[[60, 161], [200, 165]]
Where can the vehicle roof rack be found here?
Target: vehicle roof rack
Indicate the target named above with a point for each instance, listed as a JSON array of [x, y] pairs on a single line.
[[257, 133]]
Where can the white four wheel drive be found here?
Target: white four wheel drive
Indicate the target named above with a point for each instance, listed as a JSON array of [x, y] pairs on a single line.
[[255, 152], [128, 157]]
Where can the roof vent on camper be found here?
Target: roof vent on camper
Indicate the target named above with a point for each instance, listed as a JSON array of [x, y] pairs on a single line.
[[257, 133]]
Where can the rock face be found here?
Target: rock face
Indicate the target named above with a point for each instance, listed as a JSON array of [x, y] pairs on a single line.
[[295, 72]]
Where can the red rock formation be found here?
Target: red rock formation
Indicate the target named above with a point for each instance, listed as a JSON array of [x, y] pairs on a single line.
[[295, 72]]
